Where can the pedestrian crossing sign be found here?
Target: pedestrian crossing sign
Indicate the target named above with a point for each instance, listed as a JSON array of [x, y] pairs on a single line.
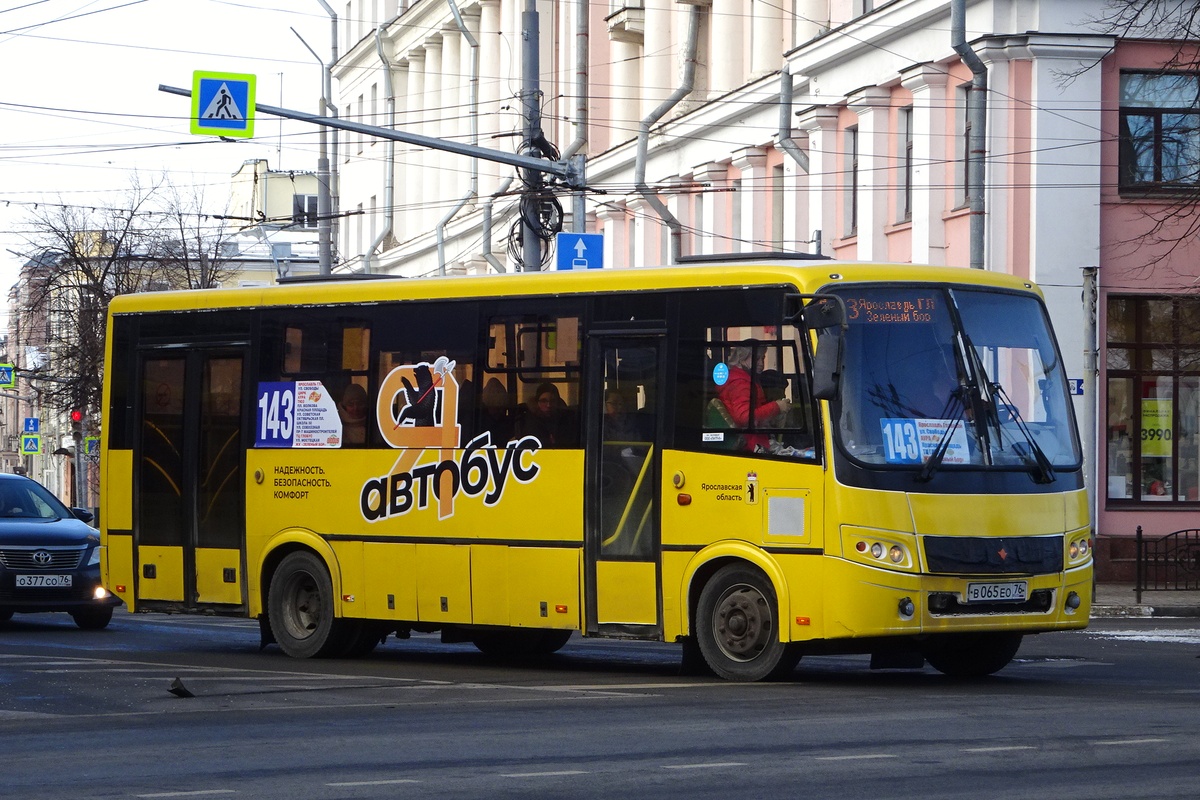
[[223, 104], [31, 444]]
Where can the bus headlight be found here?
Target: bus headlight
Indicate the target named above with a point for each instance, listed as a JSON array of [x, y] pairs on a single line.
[[877, 547], [1079, 548]]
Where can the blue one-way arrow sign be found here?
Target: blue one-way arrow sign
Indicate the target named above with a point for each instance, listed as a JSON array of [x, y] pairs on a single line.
[[580, 251]]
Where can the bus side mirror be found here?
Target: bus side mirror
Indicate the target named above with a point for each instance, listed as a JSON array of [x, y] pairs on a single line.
[[827, 364]]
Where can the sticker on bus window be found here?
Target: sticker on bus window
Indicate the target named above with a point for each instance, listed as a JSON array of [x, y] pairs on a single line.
[[299, 414], [913, 441], [720, 374]]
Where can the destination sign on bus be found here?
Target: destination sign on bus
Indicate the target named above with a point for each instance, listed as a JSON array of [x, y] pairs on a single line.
[[911, 308]]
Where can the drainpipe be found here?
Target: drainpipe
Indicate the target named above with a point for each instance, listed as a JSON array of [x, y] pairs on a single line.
[[389, 178], [1091, 407], [977, 109], [639, 172], [784, 139], [487, 227], [473, 184], [582, 35]]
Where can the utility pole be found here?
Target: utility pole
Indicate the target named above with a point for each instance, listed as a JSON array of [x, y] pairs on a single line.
[[531, 245]]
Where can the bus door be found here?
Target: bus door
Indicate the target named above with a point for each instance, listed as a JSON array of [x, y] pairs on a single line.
[[622, 536], [189, 507]]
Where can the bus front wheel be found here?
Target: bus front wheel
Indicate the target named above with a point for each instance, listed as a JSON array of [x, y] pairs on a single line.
[[737, 627], [972, 655], [300, 608]]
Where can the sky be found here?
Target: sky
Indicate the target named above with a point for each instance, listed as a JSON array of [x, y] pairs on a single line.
[[81, 113]]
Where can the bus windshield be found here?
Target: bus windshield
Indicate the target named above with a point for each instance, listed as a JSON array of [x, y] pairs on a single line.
[[941, 378]]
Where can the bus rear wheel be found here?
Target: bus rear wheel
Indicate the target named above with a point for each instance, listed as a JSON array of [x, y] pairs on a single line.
[[737, 627], [972, 655], [300, 608]]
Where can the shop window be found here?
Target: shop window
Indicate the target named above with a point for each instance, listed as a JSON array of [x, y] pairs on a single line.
[[1153, 409]]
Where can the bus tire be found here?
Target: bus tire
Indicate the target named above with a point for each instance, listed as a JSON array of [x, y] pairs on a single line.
[[737, 627], [972, 655], [300, 608]]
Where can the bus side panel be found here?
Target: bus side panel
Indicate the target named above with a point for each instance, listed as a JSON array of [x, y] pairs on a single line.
[[525, 587], [116, 565], [349, 565], [218, 578], [117, 494], [167, 569], [390, 577], [444, 583], [626, 592]]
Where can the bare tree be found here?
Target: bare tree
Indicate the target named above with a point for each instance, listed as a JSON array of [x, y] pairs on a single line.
[[80, 258]]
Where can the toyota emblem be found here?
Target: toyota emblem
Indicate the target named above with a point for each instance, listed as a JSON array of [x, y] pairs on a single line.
[[41, 558]]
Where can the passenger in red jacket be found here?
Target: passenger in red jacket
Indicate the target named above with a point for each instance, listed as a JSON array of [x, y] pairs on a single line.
[[740, 394]]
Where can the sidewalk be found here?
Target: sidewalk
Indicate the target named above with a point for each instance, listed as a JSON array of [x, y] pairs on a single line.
[[1120, 600]]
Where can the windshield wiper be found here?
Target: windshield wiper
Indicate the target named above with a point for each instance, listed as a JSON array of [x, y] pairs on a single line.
[[943, 445], [1042, 470]]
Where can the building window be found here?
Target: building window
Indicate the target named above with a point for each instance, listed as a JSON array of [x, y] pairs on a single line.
[[904, 201], [851, 186], [304, 210], [1153, 413], [966, 102], [1160, 130]]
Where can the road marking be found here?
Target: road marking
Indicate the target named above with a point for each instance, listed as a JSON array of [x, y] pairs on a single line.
[[713, 765], [197, 793], [558, 774], [997, 749], [1119, 742], [373, 783], [864, 757]]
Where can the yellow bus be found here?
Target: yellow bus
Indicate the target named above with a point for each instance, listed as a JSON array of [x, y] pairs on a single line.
[[757, 460]]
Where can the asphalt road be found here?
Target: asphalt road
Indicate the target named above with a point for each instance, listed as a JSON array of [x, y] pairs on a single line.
[[1112, 712]]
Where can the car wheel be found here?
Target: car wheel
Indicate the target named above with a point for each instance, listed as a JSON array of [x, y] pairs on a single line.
[[300, 608], [93, 619]]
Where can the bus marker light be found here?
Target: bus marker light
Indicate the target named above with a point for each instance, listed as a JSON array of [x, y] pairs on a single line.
[[803, 621], [347, 598], [861, 547], [684, 499], [120, 588], [560, 609]]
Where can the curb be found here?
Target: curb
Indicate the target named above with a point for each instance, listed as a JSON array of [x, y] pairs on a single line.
[[1109, 612]]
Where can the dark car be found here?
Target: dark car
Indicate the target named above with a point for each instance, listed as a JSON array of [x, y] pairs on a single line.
[[49, 557]]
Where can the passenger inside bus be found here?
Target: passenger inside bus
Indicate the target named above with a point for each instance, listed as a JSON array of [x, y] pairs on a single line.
[[496, 411], [548, 419], [744, 398], [352, 408]]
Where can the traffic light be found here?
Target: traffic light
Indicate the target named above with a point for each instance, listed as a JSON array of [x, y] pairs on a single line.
[[76, 420]]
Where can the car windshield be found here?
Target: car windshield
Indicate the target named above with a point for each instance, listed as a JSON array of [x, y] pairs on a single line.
[[936, 376], [28, 500]]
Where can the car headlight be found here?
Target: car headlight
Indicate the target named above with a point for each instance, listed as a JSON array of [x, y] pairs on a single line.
[[94, 558]]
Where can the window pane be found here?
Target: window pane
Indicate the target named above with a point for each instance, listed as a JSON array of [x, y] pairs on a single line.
[[1119, 358], [1188, 441], [1149, 90], [1189, 321], [1120, 445], [1137, 148], [1121, 320], [1156, 321], [1180, 148]]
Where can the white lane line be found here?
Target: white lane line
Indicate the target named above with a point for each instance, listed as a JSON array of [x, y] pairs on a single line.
[[997, 749], [712, 765], [372, 783], [198, 793], [863, 757], [557, 774], [1121, 742]]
